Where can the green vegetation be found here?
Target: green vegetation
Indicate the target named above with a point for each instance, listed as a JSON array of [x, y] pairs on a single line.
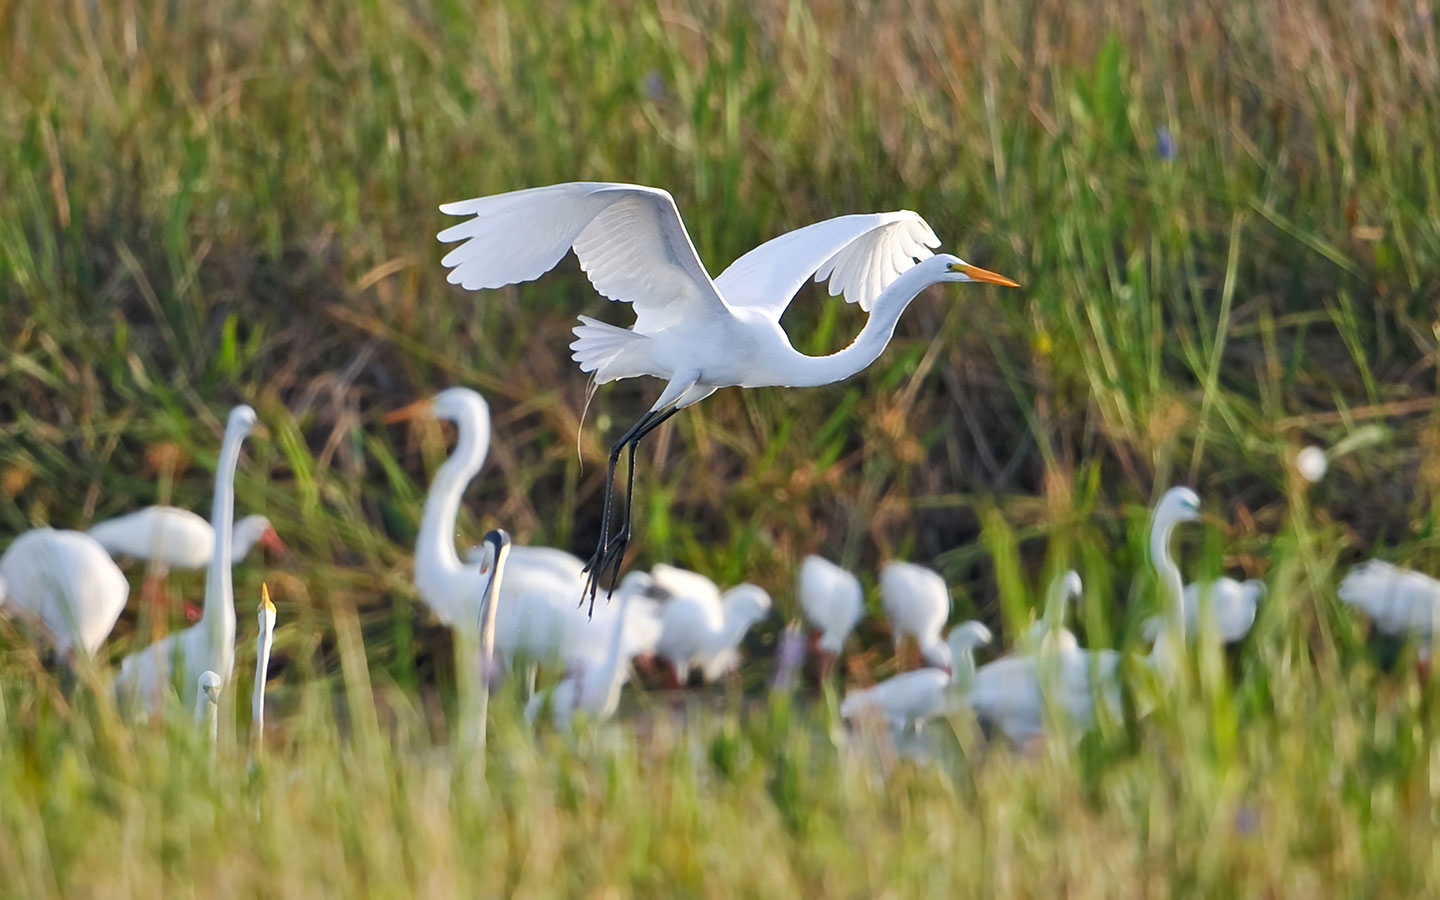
[[1227, 221]]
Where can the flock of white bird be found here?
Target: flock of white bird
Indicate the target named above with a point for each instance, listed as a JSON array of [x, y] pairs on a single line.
[[519, 605]]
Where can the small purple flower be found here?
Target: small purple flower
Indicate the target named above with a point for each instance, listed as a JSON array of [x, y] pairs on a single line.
[[1247, 820], [791, 654], [654, 86], [1164, 144]]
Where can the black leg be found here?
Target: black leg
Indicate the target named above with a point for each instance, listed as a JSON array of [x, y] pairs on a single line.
[[611, 551]]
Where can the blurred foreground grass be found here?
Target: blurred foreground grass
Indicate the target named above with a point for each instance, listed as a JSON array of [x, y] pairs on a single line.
[[1227, 222]]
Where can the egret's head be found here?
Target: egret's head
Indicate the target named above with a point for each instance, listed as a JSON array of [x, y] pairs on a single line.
[[210, 685], [242, 418], [968, 635], [495, 547], [1070, 586], [747, 601], [953, 268], [453, 405], [267, 610], [257, 530], [1180, 504]]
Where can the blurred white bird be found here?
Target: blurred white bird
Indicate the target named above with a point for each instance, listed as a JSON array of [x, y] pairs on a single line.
[[913, 697], [173, 538], [1050, 630], [264, 640], [207, 704], [1230, 604], [700, 627], [209, 643], [698, 334], [918, 604], [1402, 602], [594, 683], [1179, 504], [65, 583], [833, 602], [1010, 693]]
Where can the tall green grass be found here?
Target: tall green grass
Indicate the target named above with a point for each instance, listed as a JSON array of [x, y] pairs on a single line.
[[208, 205]]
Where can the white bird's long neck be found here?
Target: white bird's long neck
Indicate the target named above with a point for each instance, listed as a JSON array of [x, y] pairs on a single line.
[[435, 556], [218, 619], [810, 371], [1169, 575], [262, 668], [609, 671], [962, 668]]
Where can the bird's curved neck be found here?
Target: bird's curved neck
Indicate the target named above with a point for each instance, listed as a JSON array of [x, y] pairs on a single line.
[[810, 371], [1169, 574], [435, 555], [218, 618], [962, 668], [610, 669]]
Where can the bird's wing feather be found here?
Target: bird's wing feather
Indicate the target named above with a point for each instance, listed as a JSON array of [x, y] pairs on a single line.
[[860, 255], [629, 239]]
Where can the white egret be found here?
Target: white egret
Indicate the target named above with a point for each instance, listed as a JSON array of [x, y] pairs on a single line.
[[702, 627], [1010, 693], [918, 604], [64, 582], [698, 334], [1402, 602], [497, 543], [913, 697], [1179, 504], [1230, 604], [593, 684], [1050, 630], [207, 704], [264, 640], [833, 602], [209, 643], [174, 538]]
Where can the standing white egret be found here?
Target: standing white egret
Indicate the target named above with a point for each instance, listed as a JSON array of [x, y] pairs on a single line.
[[698, 334], [263, 642], [1011, 692], [67, 584], [174, 538], [702, 627], [1050, 631], [833, 601], [497, 543], [593, 685], [1402, 602], [209, 643], [918, 603], [207, 704], [1179, 504], [913, 697], [1230, 604]]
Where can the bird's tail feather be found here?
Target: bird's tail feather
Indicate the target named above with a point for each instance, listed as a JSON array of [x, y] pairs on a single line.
[[600, 348]]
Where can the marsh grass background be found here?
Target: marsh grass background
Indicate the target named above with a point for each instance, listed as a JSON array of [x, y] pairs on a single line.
[[1227, 222]]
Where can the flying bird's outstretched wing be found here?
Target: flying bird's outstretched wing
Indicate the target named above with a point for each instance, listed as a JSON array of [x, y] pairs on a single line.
[[860, 255], [629, 240]]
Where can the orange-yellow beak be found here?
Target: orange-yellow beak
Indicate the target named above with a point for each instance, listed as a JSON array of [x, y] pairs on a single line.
[[416, 410], [978, 274]]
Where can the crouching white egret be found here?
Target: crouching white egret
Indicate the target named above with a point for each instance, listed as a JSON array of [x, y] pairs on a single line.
[[700, 626], [914, 697], [918, 603], [66, 584], [210, 643], [1231, 605], [1402, 602], [174, 538], [697, 333]]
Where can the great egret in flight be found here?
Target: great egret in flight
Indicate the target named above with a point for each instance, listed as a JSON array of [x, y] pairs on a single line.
[[697, 333], [913, 697], [833, 601], [1402, 602], [918, 603], [67, 584], [210, 643]]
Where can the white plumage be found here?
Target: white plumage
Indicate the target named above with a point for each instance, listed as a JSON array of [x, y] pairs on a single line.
[[696, 333], [1229, 604], [1402, 602], [913, 697], [593, 684], [832, 600], [207, 704], [700, 627], [175, 538], [209, 643], [1010, 693], [66, 583], [918, 603]]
